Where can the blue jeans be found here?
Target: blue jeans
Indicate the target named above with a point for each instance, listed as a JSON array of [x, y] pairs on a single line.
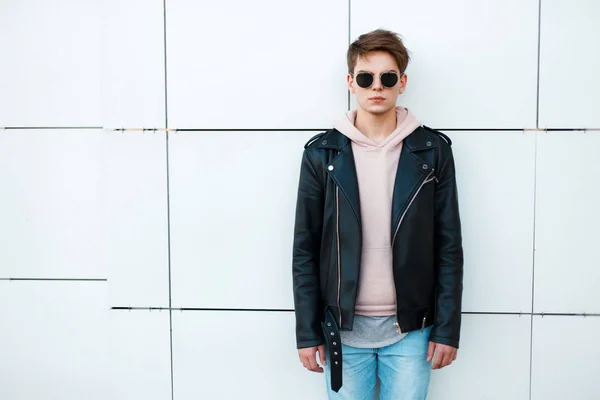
[[402, 369]]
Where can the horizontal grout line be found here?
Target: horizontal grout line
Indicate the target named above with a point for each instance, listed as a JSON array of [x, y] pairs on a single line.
[[56, 279], [291, 310], [283, 129], [251, 130], [481, 129], [325, 129], [570, 129], [494, 313], [205, 309], [50, 127], [542, 314], [566, 314], [518, 130]]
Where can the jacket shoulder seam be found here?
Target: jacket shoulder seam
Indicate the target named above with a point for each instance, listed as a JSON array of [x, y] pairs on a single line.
[[314, 139], [440, 134]]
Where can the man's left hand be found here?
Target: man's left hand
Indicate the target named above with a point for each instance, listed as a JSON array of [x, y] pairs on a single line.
[[444, 355]]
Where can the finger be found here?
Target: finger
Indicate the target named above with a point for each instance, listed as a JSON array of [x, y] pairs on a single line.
[[314, 367], [305, 363], [446, 359], [430, 351], [437, 360], [451, 355], [322, 355], [455, 355]]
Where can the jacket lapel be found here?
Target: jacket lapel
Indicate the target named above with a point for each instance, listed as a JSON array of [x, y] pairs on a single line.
[[412, 171]]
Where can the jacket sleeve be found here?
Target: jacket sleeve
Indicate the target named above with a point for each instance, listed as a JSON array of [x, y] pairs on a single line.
[[449, 257], [306, 250]]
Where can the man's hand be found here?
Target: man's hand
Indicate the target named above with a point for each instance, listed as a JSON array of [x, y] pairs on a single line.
[[444, 355], [309, 360]]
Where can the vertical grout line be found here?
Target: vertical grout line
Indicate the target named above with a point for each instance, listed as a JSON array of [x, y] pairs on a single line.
[[537, 125], [537, 107], [168, 194], [535, 157], [349, 39], [165, 58], [530, 355], [535, 164]]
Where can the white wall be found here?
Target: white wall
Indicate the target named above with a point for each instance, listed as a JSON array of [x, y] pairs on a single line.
[[156, 264]]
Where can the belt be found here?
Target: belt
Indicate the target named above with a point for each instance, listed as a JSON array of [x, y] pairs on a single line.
[[334, 344]]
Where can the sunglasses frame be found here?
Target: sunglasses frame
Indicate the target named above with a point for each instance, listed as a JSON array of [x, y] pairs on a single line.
[[373, 76]]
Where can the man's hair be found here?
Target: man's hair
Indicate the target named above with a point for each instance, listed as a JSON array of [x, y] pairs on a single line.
[[378, 40]]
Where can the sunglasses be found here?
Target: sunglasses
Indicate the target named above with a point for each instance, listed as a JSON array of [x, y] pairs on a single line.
[[366, 79]]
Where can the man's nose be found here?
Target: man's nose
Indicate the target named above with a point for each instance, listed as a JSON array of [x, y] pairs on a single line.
[[377, 84]]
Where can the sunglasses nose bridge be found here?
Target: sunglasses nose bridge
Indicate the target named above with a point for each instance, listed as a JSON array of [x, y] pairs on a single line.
[[377, 84]]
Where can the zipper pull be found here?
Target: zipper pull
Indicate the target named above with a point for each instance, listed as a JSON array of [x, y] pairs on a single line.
[[397, 325], [434, 177], [423, 324]]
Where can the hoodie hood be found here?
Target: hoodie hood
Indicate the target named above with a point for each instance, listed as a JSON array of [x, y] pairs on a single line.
[[406, 123]]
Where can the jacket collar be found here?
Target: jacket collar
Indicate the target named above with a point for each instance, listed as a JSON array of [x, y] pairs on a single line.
[[334, 139], [420, 139]]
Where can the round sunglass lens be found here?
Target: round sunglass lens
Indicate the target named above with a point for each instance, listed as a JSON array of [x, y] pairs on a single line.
[[389, 79], [364, 80]]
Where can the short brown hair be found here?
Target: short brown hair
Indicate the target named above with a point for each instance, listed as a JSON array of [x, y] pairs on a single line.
[[378, 40]]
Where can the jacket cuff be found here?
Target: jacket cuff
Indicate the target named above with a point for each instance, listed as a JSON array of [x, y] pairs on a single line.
[[309, 343], [444, 340]]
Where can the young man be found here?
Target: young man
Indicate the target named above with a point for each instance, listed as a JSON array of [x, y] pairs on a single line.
[[377, 259]]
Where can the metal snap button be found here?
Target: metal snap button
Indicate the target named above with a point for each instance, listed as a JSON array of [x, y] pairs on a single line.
[[329, 324], [324, 142], [332, 333], [425, 166], [330, 168], [334, 343], [428, 143]]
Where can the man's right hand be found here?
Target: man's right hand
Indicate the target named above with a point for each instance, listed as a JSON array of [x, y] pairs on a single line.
[[309, 360]]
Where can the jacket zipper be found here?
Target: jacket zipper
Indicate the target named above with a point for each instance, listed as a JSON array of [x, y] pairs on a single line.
[[426, 180], [339, 269], [409, 204], [397, 325]]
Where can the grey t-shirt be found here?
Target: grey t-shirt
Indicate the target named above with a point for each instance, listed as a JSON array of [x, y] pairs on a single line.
[[372, 332]]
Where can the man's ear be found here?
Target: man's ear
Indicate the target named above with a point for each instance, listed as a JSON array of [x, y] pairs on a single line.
[[403, 82], [350, 81]]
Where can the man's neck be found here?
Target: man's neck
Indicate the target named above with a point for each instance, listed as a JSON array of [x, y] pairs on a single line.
[[375, 126]]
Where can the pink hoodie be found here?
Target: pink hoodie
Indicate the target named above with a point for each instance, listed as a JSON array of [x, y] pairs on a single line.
[[376, 165]]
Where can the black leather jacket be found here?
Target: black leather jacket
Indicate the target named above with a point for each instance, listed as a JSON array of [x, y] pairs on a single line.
[[426, 232]]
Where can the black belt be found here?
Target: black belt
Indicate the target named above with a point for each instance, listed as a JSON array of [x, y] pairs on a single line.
[[334, 344]]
